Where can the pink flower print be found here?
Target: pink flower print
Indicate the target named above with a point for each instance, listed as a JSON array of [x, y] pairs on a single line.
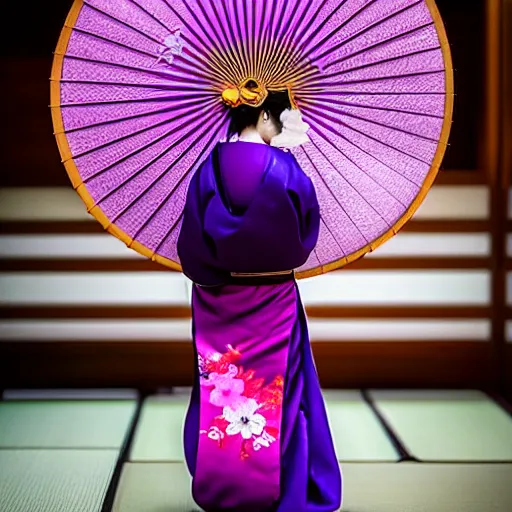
[[244, 420], [206, 376], [211, 378], [228, 390]]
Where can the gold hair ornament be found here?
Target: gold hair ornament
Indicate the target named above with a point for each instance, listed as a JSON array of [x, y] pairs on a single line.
[[251, 92]]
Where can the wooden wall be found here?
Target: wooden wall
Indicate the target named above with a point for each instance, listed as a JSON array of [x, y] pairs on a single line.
[[505, 184], [427, 310]]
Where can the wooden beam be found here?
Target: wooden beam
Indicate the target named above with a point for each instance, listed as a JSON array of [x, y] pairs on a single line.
[[107, 312], [154, 364], [92, 227], [71, 227], [508, 365], [447, 226], [457, 178], [493, 105], [499, 189], [146, 265], [398, 312], [506, 154], [45, 312]]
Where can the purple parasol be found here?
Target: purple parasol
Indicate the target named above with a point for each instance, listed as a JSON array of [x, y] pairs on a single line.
[[137, 105]]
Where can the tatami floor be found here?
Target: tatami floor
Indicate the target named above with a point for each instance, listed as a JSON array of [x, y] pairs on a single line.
[[401, 451]]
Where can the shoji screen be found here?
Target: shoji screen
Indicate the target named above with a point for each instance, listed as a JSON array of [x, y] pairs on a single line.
[[416, 311], [78, 308]]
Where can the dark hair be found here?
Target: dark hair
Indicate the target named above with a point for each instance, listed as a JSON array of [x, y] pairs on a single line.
[[244, 116]]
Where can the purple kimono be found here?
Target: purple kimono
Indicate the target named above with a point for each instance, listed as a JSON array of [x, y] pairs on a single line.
[[256, 432]]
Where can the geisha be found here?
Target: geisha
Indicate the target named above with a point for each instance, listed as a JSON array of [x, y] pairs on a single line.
[[257, 437]]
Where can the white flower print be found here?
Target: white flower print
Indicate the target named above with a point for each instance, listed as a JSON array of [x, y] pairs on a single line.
[[173, 46], [215, 433], [243, 420], [264, 441]]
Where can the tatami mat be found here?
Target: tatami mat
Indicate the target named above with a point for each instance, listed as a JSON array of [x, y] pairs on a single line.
[[158, 436], [154, 487], [64, 423], [406, 487], [54, 480], [448, 425], [358, 435], [83, 438], [70, 394]]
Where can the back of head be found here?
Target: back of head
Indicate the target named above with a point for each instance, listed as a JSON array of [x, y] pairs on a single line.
[[246, 116]]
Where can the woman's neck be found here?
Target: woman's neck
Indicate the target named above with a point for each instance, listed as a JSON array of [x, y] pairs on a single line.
[[250, 134]]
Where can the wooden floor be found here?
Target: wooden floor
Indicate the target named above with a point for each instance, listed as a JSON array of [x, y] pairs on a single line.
[[400, 451]]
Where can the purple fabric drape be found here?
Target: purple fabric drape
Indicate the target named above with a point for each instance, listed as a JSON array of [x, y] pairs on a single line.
[[257, 437], [277, 231]]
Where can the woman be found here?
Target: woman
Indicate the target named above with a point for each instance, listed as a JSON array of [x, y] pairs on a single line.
[[256, 433]]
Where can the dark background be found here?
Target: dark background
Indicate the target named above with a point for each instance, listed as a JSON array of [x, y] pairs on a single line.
[[30, 153], [479, 156]]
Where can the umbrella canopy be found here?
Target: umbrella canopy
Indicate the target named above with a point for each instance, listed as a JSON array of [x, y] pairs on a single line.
[[139, 97]]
